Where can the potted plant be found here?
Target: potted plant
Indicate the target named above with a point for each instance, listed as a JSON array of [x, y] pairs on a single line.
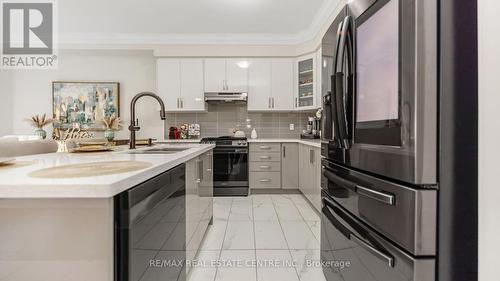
[[39, 122], [112, 124]]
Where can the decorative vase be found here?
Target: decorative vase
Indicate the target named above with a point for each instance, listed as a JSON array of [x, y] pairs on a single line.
[[109, 134], [62, 146], [41, 133]]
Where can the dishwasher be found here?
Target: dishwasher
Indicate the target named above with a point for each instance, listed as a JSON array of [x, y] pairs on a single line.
[[150, 229]]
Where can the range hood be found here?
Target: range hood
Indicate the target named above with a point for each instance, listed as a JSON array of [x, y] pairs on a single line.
[[226, 97]]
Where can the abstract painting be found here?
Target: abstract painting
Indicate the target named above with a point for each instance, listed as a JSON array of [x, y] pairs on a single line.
[[83, 105]]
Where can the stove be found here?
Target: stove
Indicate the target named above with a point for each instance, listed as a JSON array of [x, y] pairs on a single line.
[[226, 141], [230, 165]]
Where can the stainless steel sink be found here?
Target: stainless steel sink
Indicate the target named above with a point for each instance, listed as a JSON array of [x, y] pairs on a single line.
[[160, 150]]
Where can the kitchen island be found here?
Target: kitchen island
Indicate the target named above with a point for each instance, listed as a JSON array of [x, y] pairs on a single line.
[[63, 228]]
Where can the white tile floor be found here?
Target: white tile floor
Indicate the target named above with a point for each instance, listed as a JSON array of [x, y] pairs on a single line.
[[261, 238]]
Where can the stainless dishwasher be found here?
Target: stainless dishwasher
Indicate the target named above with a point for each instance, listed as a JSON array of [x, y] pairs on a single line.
[[150, 229]]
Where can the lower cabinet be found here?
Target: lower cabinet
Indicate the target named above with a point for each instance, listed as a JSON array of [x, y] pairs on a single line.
[[199, 202], [310, 174], [287, 166], [265, 166]]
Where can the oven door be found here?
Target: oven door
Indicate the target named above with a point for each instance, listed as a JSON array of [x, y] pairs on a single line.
[[230, 167], [386, 89], [351, 251]]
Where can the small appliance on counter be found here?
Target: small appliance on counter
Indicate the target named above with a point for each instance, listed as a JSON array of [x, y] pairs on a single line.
[[312, 130], [174, 133]]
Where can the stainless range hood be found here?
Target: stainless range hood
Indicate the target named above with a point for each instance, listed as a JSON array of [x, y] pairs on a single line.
[[226, 97]]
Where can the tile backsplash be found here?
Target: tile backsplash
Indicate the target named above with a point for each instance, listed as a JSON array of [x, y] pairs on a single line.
[[222, 118]]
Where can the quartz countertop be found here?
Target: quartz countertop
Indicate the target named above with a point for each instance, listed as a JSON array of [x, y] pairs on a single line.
[[15, 181], [314, 143]]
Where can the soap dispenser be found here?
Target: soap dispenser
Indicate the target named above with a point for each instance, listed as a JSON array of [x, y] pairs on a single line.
[[254, 134]]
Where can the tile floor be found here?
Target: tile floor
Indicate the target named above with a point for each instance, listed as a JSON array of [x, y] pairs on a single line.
[[260, 238]]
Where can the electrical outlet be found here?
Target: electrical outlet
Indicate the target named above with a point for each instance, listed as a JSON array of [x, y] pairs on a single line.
[[292, 127]]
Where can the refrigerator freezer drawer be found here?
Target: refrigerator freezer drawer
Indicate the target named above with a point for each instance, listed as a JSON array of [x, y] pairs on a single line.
[[351, 251], [405, 215]]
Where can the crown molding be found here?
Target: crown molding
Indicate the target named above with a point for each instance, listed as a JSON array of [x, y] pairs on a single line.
[[152, 41]]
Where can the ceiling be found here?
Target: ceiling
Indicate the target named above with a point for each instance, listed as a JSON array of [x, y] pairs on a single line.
[[188, 21]]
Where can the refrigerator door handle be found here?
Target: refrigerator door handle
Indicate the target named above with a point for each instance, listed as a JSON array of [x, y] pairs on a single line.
[[342, 95], [376, 195], [380, 196], [331, 211], [388, 259]]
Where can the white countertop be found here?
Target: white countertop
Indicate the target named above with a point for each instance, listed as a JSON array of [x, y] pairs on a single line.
[[314, 143], [15, 182]]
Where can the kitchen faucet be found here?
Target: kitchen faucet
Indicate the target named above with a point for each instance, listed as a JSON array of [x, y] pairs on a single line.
[[134, 123]]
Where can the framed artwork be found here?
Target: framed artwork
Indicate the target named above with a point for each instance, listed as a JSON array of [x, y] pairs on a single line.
[[83, 105]]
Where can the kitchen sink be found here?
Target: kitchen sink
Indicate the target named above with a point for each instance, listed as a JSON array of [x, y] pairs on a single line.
[[159, 150]]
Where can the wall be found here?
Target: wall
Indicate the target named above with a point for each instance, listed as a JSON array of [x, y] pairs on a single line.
[[489, 136], [5, 103], [31, 91], [221, 119]]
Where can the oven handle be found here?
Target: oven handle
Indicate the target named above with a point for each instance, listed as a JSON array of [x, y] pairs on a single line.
[[382, 197], [230, 150], [329, 210]]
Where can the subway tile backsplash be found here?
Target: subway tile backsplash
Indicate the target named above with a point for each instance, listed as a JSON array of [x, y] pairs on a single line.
[[221, 118]]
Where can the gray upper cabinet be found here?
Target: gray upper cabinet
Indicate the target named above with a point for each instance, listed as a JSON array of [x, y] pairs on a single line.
[[289, 167]]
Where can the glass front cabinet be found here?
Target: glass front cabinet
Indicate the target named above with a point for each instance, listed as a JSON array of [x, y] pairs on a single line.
[[307, 90]]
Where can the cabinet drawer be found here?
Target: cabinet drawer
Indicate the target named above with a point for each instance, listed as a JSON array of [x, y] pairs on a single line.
[[265, 167], [261, 147], [265, 180], [265, 157]]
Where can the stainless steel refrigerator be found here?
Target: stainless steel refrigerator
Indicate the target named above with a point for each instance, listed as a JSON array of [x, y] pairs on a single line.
[[393, 176]]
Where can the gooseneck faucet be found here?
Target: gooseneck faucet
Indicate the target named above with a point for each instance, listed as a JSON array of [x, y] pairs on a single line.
[[134, 123]]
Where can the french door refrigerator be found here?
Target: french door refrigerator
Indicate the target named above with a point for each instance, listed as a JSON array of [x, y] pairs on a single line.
[[382, 86]]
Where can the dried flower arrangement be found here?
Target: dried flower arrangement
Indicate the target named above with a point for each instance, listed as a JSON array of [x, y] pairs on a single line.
[[39, 122], [112, 122]]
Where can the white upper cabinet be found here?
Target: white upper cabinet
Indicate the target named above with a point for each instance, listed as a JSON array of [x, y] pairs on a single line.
[[215, 75], [192, 93], [237, 75], [282, 84], [168, 82], [226, 75], [259, 84], [180, 84], [307, 93], [271, 86]]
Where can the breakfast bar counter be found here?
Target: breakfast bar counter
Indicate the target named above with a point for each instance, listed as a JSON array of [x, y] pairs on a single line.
[[60, 213]]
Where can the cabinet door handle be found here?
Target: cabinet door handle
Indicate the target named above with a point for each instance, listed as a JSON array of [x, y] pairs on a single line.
[[264, 147], [284, 151], [265, 157], [268, 102], [311, 156], [177, 102], [265, 180], [296, 102], [273, 101], [265, 167]]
